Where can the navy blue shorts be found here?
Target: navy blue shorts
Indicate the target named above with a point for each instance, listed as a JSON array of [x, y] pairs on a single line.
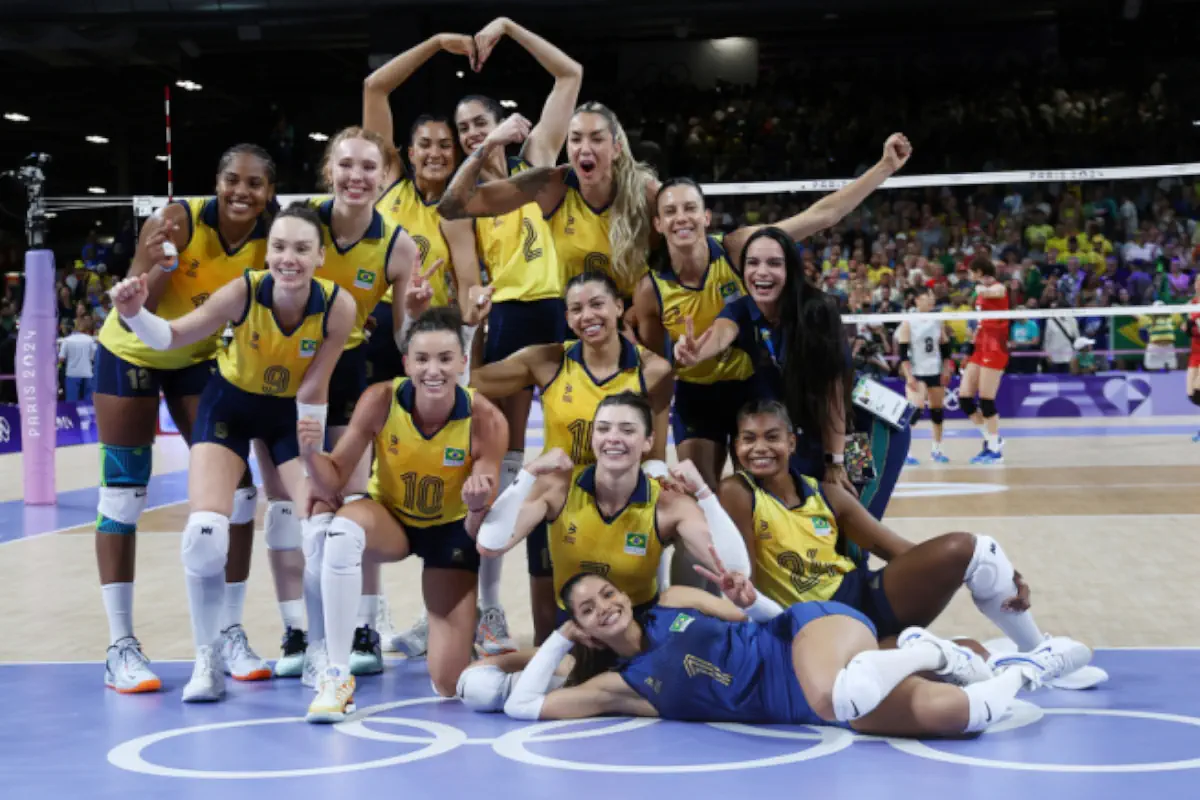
[[383, 361], [537, 551], [797, 615], [116, 376], [346, 385], [862, 589], [708, 410], [447, 546], [231, 417], [514, 324]]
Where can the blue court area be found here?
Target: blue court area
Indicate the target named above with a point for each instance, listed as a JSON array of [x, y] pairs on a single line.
[[1137, 735]]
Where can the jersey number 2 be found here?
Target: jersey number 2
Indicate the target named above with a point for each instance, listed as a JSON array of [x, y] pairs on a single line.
[[531, 253]]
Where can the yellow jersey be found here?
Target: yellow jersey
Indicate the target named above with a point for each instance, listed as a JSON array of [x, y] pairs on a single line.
[[518, 251], [720, 286], [206, 263], [403, 206], [581, 237], [625, 549], [570, 399], [262, 358], [420, 478], [360, 268], [797, 551]]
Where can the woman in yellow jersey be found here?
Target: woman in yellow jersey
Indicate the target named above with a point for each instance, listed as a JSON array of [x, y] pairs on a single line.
[[574, 377], [289, 330], [515, 249], [437, 449], [186, 252], [599, 209], [808, 542], [610, 517]]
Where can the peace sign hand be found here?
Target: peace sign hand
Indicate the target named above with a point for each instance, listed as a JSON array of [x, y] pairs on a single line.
[[419, 294], [688, 349], [734, 585]]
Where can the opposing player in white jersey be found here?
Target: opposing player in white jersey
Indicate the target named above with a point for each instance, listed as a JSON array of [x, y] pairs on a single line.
[[926, 366]]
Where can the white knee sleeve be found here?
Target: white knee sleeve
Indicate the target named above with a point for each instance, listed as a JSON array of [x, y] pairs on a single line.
[[990, 573], [312, 537], [282, 527], [205, 544], [510, 468], [344, 545], [485, 688], [123, 504], [245, 503], [856, 691]]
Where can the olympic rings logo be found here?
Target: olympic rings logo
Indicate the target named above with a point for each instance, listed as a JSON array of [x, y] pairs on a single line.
[[437, 738]]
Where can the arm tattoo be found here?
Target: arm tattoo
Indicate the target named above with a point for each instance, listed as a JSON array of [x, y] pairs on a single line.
[[462, 188]]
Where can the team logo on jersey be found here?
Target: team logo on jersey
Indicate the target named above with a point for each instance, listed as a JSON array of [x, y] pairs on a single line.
[[308, 348], [821, 527], [635, 544], [566, 398], [730, 292], [764, 530], [569, 537], [394, 445], [681, 623], [364, 279], [193, 268], [671, 315], [569, 230], [454, 457], [254, 340]]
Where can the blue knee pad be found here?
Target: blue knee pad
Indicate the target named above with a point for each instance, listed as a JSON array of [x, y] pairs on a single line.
[[124, 473]]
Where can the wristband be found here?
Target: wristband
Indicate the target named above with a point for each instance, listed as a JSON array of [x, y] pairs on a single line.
[[835, 459], [151, 329], [763, 608], [655, 468]]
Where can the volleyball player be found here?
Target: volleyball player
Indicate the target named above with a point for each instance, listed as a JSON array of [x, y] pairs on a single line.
[[215, 239], [692, 656], [574, 378], [366, 255], [611, 517], [438, 449], [926, 366], [1193, 369], [524, 273], [289, 330], [986, 362]]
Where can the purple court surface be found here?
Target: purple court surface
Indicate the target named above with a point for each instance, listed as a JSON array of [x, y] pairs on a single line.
[[1136, 736]]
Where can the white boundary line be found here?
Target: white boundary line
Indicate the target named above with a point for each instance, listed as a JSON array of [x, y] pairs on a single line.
[[34, 536]]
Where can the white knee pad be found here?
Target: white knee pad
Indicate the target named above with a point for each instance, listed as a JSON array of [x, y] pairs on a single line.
[[282, 527], [485, 688], [122, 504], [205, 544], [856, 690], [344, 545], [245, 503], [990, 573], [312, 537]]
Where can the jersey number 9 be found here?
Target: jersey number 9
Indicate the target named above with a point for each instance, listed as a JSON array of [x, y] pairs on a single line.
[[276, 380]]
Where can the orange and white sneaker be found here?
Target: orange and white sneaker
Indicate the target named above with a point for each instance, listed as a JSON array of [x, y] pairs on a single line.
[[127, 670], [241, 662], [335, 697]]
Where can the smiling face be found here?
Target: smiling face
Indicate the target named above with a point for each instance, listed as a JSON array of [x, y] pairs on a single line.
[[682, 219], [593, 312], [474, 121], [764, 444], [243, 188], [434, 362], [620, 437], [431, 152], [765, 270], [599, 608], [356, 172], [590, 147], [294, 252]]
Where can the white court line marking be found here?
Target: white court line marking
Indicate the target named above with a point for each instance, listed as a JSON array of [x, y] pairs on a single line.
[[81, 525]]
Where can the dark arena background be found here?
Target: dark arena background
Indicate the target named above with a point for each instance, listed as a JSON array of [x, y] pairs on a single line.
[[1059, 138]]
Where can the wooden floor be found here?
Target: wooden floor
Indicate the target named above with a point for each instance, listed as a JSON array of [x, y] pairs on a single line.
[[1105, 526]]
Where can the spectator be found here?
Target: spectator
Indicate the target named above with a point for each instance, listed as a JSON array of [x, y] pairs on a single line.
[[1024, 335], [78, 352], [1060, 336], [1085, 361]]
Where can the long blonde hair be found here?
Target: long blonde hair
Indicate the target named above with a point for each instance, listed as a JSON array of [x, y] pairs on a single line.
[[629, 215], [386, 149]]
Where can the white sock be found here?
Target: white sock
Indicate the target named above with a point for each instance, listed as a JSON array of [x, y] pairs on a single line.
[[993, 441], [989, 578], [292, 612], [489, 581], [937, 447], [118, 606], [313, 533], [235, 600], [990, 700], [871, 676], [368, 610], [206, 596], [982, 428], [341, 591]]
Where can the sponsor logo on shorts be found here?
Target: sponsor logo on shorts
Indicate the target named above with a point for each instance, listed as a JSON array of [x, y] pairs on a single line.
[[308, 348], [635, 544], [454, 457], [221, 430], [364, 279], [681, 623]]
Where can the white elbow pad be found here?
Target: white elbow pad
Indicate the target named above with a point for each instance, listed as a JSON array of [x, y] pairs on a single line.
[[151, 329]]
